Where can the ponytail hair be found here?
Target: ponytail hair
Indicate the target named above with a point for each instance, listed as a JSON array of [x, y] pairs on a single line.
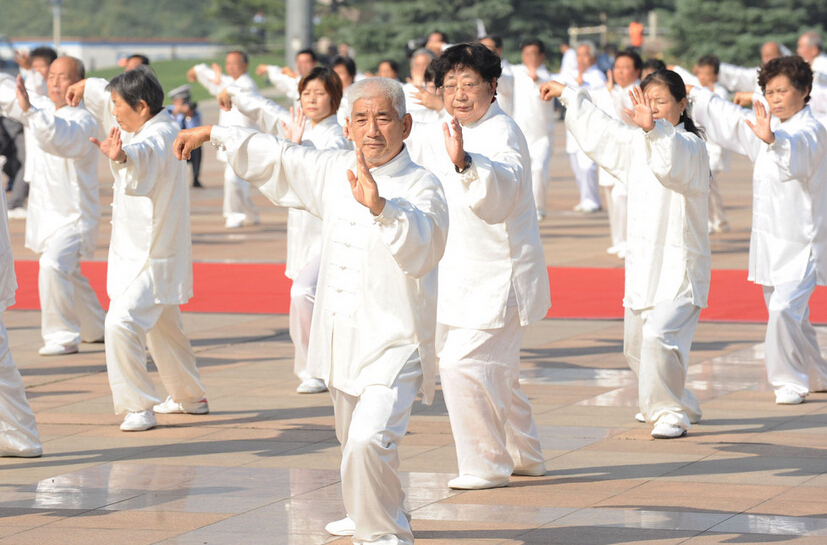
[[677, 88]]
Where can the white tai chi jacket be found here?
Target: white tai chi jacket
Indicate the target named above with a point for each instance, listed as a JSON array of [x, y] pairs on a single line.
[[284, 84], [151, 215], [63, 192], [789, 184], [739, 78], [376, 297], [8, 280], [494, 246], [304, 230], [505, 87], [533, 115], [419, 112], [205, 75], [593, 78], [613, 103], [667, 174], [38, 90]]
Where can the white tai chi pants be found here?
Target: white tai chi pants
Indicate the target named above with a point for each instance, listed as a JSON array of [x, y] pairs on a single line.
[[656, 343], [585, 174], [237, 200], [490, 415], [370, 428], [302, 300], [717, 217], [540, 152], [18, 429], [615, 198], [791, 348], [135, 321], [70, 310]]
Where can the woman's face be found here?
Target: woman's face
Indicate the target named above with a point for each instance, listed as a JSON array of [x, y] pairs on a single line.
[[784, 99], [315, 101], [466, 95], [663, 104]]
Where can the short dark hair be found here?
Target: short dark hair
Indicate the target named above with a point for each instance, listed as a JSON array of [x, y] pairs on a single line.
[[331, 82], [244, 56], [393, 64], [534, 41], [654, 65], [441, 35], [137, 85], [636, 60], [347, 62], [796, 69], [477, 57], [310, 52], [710, 60], [43, 52], [496, 38], [143, 58]]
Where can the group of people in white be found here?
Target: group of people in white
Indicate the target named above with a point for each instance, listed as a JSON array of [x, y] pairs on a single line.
[[413, 235]]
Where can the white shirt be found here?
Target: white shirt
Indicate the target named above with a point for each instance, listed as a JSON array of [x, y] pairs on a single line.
[[667, 174], [98, 102], [569, 62], [494, 243], [205, 76], [738, 78], [151, 215], [284, 84], [63, 192], [505, 88], [419, 112], [593, 78], [613, 103], [263, 112], [789, 204], [376, 297], [533, 115]]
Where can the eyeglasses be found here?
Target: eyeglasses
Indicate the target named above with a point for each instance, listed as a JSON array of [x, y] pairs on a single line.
[[467, 88]]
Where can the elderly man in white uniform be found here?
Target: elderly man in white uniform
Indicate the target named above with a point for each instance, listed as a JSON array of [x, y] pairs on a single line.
[[534, 116], [663, 162], [238, 207], [613, 100], [788, 244], [493, 280], [19, 437], [150, 258], [63, 216], [372, 338], [586, 76]]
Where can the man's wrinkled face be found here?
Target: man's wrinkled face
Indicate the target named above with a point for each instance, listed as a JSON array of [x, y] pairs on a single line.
[[235, 65], [376, 129], [62, 73]]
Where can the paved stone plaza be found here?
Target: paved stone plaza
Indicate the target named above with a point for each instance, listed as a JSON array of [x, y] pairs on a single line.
[[262, 467]]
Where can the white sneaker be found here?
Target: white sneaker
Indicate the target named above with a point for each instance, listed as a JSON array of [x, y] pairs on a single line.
[[472, 482], [58, 350], [312, 386], [664, 430], [34, 452], [234, 221], [18, 213], [344, 527], [639, 417], [536, 470], [173, 407], [786, 396], [140, 421], [613, 250]]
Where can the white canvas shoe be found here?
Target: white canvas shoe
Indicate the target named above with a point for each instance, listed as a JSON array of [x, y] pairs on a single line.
[[663, 430], [536, 470], [139, 421], [34, 452], [173, 407], [58, 350], [472, 482], [312, 386], [785, 396], [343, 527]]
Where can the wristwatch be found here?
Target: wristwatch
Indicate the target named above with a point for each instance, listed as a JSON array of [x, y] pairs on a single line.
[[464, 168]]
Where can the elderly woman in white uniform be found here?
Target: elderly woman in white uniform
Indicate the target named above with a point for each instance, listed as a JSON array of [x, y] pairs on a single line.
[[493, 280], [664, 164], [788, 245], [314, 125]]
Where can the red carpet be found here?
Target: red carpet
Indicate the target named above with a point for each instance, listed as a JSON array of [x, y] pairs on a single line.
[[252, 288]]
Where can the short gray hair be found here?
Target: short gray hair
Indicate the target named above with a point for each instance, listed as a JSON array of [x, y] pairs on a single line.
[[371, 87], [590, 45], [813, 38]]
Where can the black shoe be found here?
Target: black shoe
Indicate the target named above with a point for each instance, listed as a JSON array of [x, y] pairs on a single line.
[[196, 183]]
